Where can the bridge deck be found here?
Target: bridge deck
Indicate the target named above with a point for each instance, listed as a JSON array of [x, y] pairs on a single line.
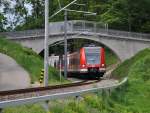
[[73, 27]]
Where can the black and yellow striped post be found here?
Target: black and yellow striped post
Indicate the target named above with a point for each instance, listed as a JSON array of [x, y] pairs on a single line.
[[42, 77]]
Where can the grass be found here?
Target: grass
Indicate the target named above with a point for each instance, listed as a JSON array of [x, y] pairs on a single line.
[[135, 98], [35, 108], [111, 58], [28, 59]]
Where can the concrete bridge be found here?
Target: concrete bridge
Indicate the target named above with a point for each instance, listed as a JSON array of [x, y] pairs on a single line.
[[123, 44]]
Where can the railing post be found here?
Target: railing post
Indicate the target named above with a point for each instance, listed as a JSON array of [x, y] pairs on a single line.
[[109, 92], [95, 25], [45, 106], [60, 69], [106, 28], [72, 23], [83, 25]]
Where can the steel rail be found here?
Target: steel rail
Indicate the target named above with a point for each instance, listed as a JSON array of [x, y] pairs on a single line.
[[36, 99], [38, 89]]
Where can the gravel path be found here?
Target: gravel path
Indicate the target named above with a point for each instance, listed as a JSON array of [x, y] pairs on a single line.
[[12, 76]]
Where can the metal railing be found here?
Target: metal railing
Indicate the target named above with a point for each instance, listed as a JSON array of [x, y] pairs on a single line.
[[76, 26]]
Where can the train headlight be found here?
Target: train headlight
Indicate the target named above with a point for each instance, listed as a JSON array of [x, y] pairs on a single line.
[[103, 65], [83, 65]]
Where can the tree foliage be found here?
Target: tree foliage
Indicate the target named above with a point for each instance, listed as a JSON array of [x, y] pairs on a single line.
[[3, 5], [130, 15]]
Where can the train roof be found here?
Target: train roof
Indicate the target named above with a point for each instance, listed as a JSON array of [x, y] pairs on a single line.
[[93, 47]]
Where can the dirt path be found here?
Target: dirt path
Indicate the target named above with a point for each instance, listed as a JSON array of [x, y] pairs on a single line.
[[12, 76]]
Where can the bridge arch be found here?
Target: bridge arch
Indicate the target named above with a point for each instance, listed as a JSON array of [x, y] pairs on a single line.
[[92, 38]]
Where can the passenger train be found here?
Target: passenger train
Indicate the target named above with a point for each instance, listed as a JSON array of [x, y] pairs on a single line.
[[88, 60]]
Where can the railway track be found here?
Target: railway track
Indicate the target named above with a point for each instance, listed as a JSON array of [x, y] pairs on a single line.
[[42, 94], [39, 91]]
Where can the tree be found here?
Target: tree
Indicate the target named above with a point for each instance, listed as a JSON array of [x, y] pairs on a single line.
[[3, 4], [130, 15], [36, 19]]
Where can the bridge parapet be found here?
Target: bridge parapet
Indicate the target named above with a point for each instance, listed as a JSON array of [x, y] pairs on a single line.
[[23, 34], [73, 27]]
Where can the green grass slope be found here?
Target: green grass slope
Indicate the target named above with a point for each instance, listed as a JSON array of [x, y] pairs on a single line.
[[26, 58], [135, 98], [110, 57]]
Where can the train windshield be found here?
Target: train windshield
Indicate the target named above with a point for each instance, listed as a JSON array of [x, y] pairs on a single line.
[[92, 55]]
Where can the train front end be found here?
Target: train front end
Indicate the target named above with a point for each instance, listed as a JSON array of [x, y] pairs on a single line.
[[92, 61]]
